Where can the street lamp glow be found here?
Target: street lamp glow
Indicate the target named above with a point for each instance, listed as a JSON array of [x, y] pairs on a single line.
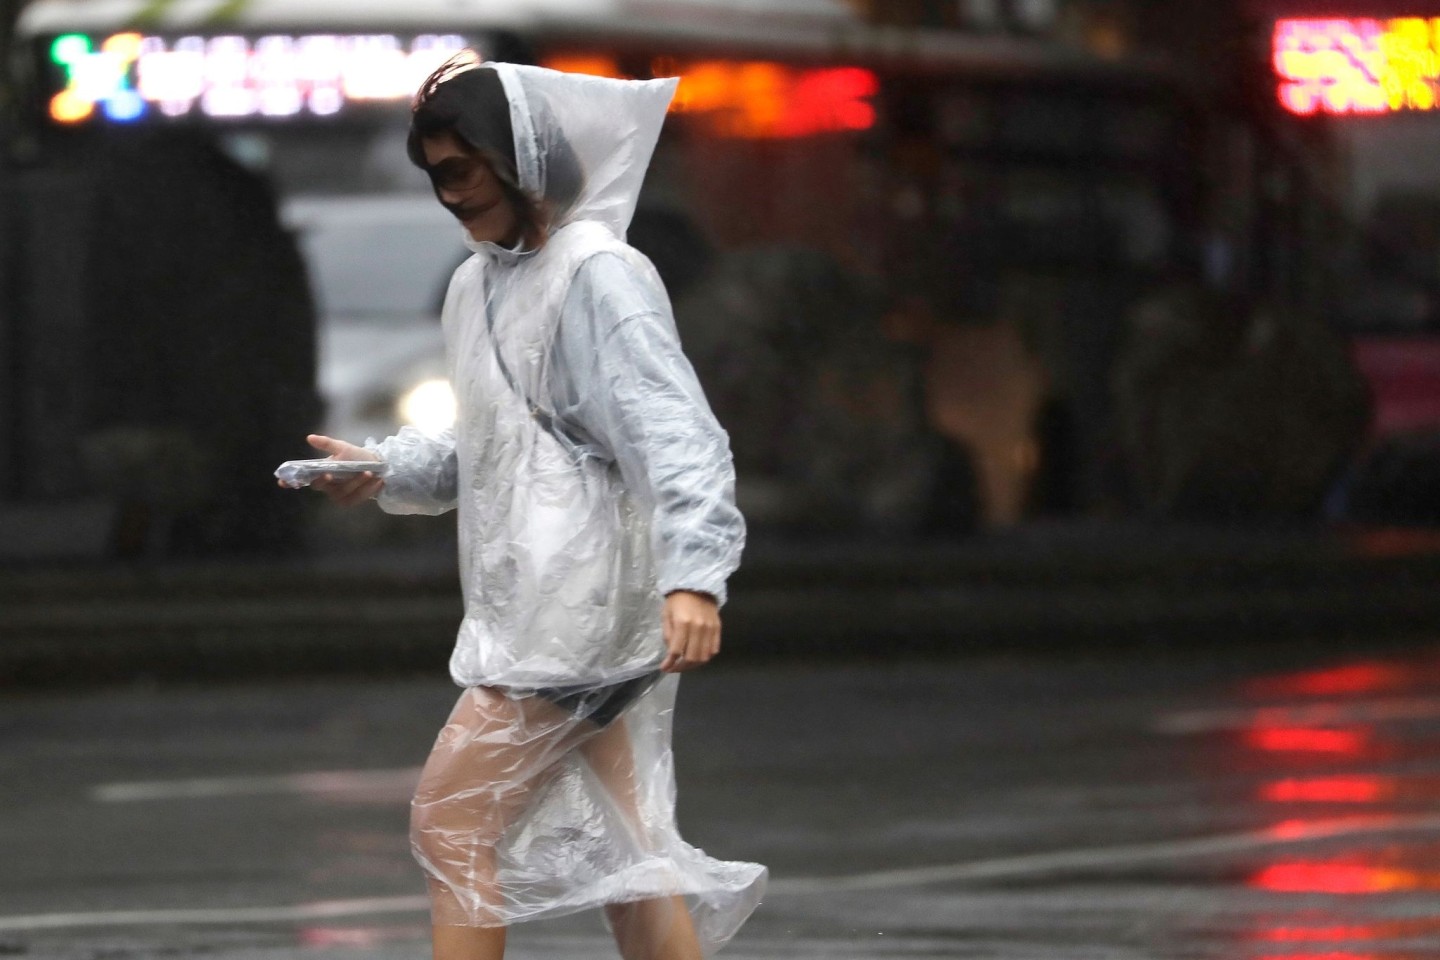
[[430, 407]]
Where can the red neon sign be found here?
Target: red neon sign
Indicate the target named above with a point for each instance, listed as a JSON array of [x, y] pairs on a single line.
[[757, 100], [1357, 66]]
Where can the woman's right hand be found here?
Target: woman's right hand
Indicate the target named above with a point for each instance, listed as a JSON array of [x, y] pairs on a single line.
[[346, 491]]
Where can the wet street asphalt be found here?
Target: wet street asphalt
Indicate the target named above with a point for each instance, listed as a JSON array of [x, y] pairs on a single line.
[[1154, 806]]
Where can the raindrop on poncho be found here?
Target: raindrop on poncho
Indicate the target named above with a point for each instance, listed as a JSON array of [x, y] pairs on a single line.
[[590, 479]]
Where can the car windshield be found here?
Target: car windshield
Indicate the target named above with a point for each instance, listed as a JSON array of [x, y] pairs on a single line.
[[373, 256]]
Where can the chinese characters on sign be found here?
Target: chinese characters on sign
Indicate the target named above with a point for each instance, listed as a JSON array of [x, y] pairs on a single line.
[[1357, 66], [127, 76]]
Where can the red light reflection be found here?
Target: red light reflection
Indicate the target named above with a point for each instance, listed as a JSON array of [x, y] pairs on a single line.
[[1335, 934], [1355, 678], [1330, 718], [330, 937], [1356, 789], [1337, 878], [1350, 741]]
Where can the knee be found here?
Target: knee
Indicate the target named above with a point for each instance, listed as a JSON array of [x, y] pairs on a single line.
[[447, 828]]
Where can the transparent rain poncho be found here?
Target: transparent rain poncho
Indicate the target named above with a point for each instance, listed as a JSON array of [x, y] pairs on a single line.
[[590, 479]]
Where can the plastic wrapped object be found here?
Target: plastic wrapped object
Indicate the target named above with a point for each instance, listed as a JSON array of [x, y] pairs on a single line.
[[590, 479], [302, 473]]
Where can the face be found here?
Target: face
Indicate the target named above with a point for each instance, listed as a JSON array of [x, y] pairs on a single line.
[[470, 190]]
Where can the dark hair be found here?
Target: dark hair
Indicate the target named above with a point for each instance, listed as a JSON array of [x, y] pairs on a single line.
[[469, 101], [466, 99]]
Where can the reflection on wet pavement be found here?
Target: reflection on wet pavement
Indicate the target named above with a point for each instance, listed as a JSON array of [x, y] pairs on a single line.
[[1362, 738], [1028, 809]]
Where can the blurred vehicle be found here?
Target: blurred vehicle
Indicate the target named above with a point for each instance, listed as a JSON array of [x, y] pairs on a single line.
[[378, 269], [1392, 318]]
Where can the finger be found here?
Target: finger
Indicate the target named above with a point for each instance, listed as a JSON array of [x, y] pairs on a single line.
[[363, 493], [667, 634], [364, 488], [699, 645], [324, 444], [341, 488], [702, 646], [674, 656], [676, 660]]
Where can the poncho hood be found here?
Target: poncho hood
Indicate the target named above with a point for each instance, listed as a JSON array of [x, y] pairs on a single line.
[[583, 143]]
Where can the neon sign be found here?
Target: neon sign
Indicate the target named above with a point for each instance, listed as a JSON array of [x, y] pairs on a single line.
[[128, 76], [1357, 66], [757, 100]]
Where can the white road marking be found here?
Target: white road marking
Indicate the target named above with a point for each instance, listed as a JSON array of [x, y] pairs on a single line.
[[322, 910], [1307, 714], [1030, 865], [1067, 861], [399, 783]]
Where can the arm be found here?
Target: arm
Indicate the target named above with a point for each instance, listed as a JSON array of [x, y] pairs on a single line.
[[627, 384], [423, 472]]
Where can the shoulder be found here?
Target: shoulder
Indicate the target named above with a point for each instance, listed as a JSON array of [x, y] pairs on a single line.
[[615, 286], [591, 258], [470, 269]]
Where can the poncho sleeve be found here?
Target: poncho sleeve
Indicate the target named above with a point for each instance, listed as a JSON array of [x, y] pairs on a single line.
[[623, 381], [423, 472]]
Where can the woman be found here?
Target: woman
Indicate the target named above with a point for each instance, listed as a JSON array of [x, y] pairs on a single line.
[[597, 526]]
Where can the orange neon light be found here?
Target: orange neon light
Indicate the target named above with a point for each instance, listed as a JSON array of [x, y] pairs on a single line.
[[591, 65], [69, 107], [1357, 66], [756, 100]]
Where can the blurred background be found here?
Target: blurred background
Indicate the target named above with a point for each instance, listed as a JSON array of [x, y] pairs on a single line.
[[1081, 361], [1057, 284]]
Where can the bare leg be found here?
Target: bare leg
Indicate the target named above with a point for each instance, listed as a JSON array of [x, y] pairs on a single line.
[[489, 761], [658, 929], [468, 943], [654, 930]]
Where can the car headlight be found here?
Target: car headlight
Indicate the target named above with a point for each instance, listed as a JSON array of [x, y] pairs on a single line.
[[430, 406]]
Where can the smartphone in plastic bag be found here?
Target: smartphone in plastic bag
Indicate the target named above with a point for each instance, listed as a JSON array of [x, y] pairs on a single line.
[[302, 473]]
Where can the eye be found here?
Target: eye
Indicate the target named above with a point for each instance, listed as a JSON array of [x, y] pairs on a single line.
[[456, 173]]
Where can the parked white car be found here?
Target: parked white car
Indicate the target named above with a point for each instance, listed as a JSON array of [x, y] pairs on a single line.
[[378, 268]]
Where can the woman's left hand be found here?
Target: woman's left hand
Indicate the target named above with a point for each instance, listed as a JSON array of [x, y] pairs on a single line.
[[691, 622]]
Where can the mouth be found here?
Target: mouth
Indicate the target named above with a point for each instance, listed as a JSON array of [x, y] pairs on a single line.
[[470, 214]]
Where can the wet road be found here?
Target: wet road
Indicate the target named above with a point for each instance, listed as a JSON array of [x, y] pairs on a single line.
[[1186, 805]]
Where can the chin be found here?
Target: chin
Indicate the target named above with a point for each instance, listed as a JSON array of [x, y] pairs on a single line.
[[483, 235]]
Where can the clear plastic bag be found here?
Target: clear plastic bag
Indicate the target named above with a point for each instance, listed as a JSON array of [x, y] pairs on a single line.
[[302, 473], [541, 803]]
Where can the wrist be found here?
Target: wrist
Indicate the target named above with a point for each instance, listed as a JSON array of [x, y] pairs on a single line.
[[702, 594]]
